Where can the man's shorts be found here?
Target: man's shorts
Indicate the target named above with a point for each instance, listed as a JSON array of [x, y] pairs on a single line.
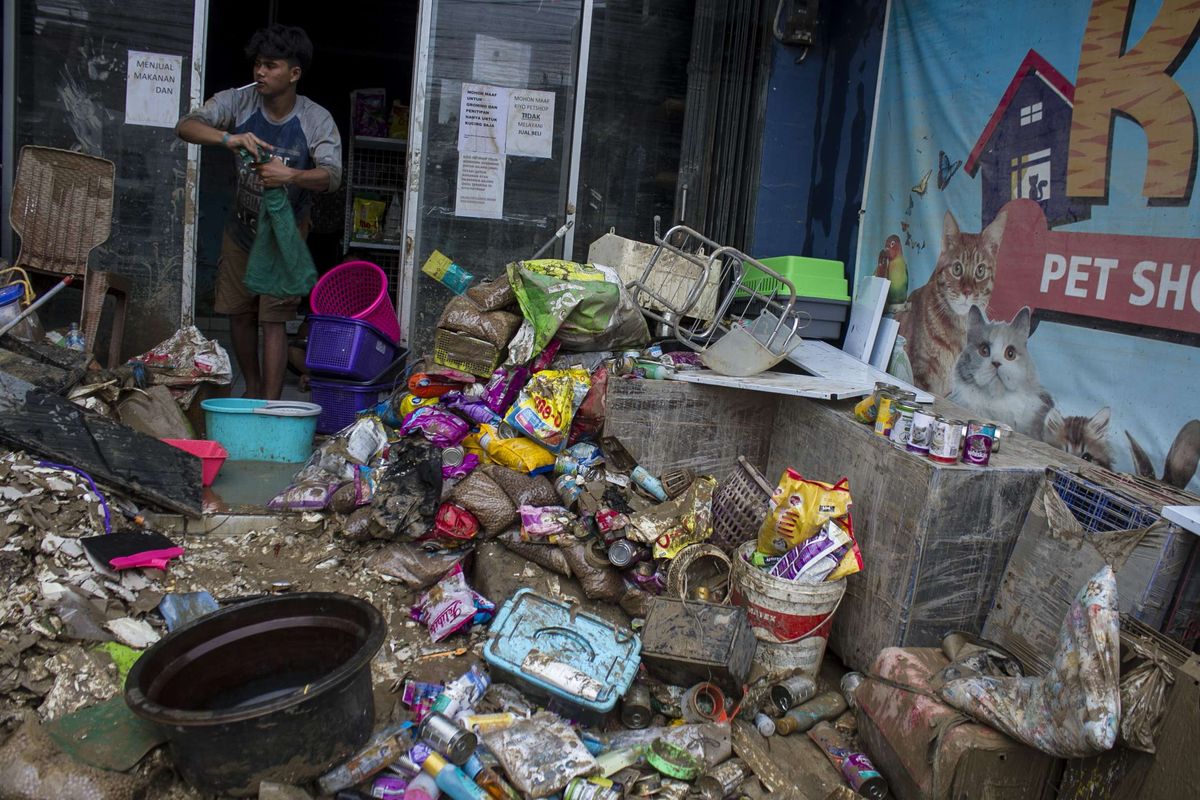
[[232, 296]]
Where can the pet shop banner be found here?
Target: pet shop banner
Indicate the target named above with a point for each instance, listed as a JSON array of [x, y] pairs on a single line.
[[1032, 198]]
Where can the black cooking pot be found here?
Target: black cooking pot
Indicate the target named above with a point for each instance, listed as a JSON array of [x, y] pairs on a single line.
[[271, 689]]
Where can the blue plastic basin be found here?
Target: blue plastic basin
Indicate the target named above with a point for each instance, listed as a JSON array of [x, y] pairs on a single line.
[[262, 430]]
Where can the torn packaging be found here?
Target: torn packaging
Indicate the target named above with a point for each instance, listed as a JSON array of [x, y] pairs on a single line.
[[409, 491]]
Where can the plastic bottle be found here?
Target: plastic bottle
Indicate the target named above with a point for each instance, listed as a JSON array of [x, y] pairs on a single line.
[[452, 780], [74, 338], [824, 706], [364, 764], [487, 779], [422, 787], [765, 725]]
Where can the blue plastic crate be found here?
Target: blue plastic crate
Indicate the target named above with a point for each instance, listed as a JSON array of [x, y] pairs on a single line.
[[347, 348], [529, 624]]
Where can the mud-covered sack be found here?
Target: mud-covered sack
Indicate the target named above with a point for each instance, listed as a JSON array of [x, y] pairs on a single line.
[[486, 501], [547, 556], [1072, 711], [598, 582], [494, 327], [523, 489], [409, 490], [412, 565], [492, 295]]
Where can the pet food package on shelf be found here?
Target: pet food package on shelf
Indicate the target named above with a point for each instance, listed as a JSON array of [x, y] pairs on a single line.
[[370, 116]]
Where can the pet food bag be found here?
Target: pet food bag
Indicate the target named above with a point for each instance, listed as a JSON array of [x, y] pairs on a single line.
[[799, 509], [546, 406]]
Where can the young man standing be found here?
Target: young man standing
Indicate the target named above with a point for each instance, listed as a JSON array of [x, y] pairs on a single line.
[[306, 151]]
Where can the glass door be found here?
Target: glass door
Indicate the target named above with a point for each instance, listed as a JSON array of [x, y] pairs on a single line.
[[490, 141]]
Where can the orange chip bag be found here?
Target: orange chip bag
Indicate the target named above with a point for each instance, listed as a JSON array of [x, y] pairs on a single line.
[[799, 508]]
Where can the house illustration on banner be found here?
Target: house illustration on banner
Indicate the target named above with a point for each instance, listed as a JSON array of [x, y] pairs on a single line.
[[1023, 149]]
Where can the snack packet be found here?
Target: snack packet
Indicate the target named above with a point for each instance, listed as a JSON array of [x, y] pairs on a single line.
[[439, 426], [540, 522], [516, 453], [799, 508], [818, 554], [451, 606]]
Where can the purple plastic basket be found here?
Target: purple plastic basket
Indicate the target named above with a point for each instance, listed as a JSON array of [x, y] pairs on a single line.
[[340, 401], [347, 348]]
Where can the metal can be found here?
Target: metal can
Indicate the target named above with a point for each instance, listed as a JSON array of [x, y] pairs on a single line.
[[636, 711], [624, 553], [444, 736], [592, 789], [850, 683], [722, 780], [921, 430], [902, 420], [790, 693], [977, 446], [453, 456], [883, 413], [1002, 433], [867, 409], [946, 440]]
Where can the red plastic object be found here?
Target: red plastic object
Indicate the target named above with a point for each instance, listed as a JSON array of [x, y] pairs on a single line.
[[358, 290], [211, 453]]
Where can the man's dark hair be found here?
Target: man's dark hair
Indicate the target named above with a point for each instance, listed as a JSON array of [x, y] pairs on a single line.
[[285, 42]]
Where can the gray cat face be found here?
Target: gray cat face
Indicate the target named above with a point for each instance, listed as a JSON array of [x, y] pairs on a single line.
[[996, 356]]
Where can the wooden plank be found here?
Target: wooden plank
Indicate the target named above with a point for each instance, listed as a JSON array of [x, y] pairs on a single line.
[[57, 430], [790, 767]]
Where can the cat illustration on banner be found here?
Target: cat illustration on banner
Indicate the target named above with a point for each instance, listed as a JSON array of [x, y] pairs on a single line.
[[1082, 436], [935, 323], [995, 375]]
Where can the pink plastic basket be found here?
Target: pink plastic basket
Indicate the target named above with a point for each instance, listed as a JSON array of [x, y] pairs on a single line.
[[211, 453], [358, 290]]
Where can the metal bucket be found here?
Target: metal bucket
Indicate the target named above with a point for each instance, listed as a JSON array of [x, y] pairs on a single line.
[[791, 620]]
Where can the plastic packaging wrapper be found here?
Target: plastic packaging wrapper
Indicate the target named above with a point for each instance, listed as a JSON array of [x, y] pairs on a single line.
[[547, 556], [455, 523], [368, 219], [492, 295], [410, 402], [413, 566], [709, 742], [516, 452], [494, 327], [541, 755], [469, 463], [502, 388], [451, 606], [440, 427], [547, 404], [589, 418], [799, 508], [439, 267], [820, 555], [598, 583], [185, 360], [673, 525], [474, 410], [540, 522], [410, 489], [358, 492], [484, 498], [581, 457], [1074, 709]]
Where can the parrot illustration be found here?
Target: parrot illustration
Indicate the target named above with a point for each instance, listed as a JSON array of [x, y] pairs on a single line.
[[896, 270]]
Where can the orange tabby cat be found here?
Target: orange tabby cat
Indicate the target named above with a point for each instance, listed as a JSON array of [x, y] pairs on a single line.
[[935, 324]]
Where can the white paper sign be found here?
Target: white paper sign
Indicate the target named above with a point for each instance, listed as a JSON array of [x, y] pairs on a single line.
[[482, 119], [501, 61], [480, 189], [153, 87], [530, 123]]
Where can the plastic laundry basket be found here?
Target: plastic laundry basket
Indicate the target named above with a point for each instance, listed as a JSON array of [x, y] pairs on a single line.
[[358, 290]]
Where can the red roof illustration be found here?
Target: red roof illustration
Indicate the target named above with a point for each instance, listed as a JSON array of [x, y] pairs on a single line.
[[1033, 62]]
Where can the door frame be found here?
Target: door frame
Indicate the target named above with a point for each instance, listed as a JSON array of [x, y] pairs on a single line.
[[191, 180]]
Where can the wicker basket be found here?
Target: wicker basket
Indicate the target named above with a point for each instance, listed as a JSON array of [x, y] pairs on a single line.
[[466, 353], [740, 505]]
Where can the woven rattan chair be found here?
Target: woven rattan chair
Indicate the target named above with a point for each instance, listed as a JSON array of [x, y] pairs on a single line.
[[62, 208]]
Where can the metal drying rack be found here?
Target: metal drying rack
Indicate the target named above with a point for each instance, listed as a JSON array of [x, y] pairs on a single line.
[[726, 342]]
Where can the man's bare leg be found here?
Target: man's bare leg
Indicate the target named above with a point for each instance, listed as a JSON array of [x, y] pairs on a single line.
[[243, 328]]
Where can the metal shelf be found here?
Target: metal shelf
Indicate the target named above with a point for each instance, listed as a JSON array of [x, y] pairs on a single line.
[[381, 142], [374, 245]]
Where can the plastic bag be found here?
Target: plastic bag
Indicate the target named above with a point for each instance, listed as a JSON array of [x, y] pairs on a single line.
[[492, 295], [589, 419], [410, 489], [1144, 698], [451, 606], [547, 404], [503, 387], [484, 498], [1073, 710], [523, 489], [494, 327], [541, 755], [544, 555], [539, 523], [799, 508], [673, 525], [455, 523]]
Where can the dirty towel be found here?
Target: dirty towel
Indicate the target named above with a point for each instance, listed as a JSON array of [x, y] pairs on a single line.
[[279, 263]]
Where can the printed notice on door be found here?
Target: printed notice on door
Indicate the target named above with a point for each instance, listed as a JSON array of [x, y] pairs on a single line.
[[530, 123], [480, 190], [153, 87], [482, 118]]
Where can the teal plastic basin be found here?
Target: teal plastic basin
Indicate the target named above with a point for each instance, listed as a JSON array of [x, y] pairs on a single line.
[[262, 430]]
